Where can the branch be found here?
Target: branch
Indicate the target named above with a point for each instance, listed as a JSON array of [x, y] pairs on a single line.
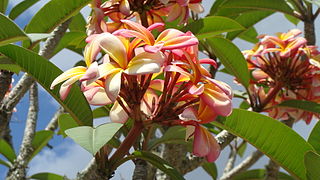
[[91, 172], [53, 124], [231, 160], [18, 170], [244, 165], [272, 171], [5, 81]]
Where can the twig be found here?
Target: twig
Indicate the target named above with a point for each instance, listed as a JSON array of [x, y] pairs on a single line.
[[91, 172], [18, 170], [53, 124], [244, 165], [231, 160], [272, 170]]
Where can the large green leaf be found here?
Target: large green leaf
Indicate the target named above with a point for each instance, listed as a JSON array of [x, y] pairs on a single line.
[[211, 169], [21, 7], [159, 163], [3, 6], [47, 176], [7, 151], [65, 122], [314, 137], [45, 72], [40, 140], [231, 57], [92, 139], [303, 105], [70, 39], [274, 5], [9, 31], [273, 138], [312, 161], [7, 64], [249, 35], [175, 134], [102, 111], [78, 23], [212, 25], [54, 13], [247, 20], [259, 174]]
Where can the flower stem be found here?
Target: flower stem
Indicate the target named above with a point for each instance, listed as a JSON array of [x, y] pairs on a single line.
[[272, 93]]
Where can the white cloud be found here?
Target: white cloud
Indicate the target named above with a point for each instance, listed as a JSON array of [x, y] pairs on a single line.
[[67, 159]]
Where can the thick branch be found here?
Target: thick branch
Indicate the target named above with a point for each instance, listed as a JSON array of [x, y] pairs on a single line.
[[91, 172], [244, 165], [231, 160], [272, 170], [18, 170], [5, 81], [140, 170], [309, 32]]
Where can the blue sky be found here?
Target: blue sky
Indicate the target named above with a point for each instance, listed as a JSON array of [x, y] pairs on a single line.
[[67, 158]]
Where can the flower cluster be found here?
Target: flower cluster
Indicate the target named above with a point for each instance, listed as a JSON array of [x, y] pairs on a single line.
[[284, 68], [151, 79], [155, 11]]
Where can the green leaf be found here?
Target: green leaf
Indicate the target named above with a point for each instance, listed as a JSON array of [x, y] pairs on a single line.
[[292, 19], [316, 2], [45, 72], [7, 151], [247, 20], [175, 134], [40, 140], [314, 137], [273, 138], [231, 57], [5, 163], [102, 111], [242, 149], [212, 25], [49, 16], [312, 161], [21, 7], [3, 6], [70, 38], [92, 139], [7, 64], [78, 23], [249, 35], [65, 122], [158, 163], [11, 33], [273, 5], [47, 176], [259, 174], [301, 104], [211, 169]]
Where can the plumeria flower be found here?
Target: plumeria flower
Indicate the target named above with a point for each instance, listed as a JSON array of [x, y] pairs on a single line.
[[182, 9], [169, 39]]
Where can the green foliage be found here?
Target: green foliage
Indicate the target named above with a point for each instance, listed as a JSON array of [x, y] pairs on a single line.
[[40, 140], [71, 39], [45, 72], [5, 163], [3, 6], [65, 122], [92, 139], [11, 33], [175, 134], [273, 5], [259, 174], [249, 35], [21, 7], [102, 111], [292, 19], [78, 23], [231, 57], [211, 169], [158, 163], [7, 64], [301, 104], [41, 23], [47, 176], [312, 161], [212, 25], [7, 151], [273, 138], [314, 138]]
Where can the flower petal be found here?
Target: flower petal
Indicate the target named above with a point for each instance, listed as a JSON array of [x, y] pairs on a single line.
[[68, 74], [113, 85], [145, 63], [139, 28], [97, 96], [113, 46], [117, 114]]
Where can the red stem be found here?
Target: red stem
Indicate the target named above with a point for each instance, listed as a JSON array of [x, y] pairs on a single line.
[[272, 93]]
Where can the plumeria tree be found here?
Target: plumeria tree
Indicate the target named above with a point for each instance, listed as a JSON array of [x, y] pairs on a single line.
[[149, 68]]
